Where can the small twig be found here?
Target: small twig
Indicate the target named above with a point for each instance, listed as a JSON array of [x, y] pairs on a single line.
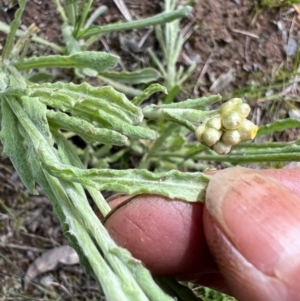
[[52, 241], [144, 38], [203, 71], [23, 248], [123, 9], [246, 33], [297, 9]]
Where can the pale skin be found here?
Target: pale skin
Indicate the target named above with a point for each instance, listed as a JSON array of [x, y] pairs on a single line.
[[245, 239]]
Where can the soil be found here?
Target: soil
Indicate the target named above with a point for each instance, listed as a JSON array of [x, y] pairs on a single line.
[[234, 45]]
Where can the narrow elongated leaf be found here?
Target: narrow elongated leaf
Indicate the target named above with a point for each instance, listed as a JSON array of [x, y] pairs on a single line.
[[98, 61], [124, 128], [68, 97], [37, 113], [179, 291], [155, 20], [173, 184], [142, 76], [278, 125], [6, 28], [85, 129], [3, 81], [68, 155], [109, 281], [13, 29], [189, 118], [148, 92], [197, 103], [13, 146], [71, 43], [127, 90]]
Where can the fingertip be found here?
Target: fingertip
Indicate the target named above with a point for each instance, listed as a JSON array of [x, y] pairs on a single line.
[[166, 235], [252, 225]]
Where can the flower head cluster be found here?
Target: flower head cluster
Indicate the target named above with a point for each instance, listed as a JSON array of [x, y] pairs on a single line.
[[228, 127]]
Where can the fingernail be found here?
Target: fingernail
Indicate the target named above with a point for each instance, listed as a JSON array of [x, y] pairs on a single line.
[[258, 214]]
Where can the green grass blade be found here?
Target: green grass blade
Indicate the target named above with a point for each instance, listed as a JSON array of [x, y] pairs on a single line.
[[84, 14]]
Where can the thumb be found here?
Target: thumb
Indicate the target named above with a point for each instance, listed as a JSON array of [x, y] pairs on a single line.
[[252, 226]]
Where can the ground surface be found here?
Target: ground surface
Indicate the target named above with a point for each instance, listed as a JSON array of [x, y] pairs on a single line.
[[235, 47]]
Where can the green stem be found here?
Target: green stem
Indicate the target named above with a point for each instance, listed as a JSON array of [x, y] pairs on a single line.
[[111, 284], [61, 11], [272, 155]]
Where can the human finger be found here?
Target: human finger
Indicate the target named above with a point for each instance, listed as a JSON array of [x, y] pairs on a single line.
[[252, 226]]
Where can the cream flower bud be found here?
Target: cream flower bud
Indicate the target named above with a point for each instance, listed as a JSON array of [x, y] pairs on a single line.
[[199, 132], [221, 148], [228, 105], [231, 137], [215, 122], [242, 108], [247, 129], [211, 136], [231, 120]]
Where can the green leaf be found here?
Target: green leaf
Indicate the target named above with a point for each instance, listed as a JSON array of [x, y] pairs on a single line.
[[177, 290], [173, 184], [41, 77], [148, 92], [155, 20], [189, 118], [84, 129], [13, 29], [37, 112], [83, 16], [197, 103], [78, 99], [125, 128], [5, 28], [95, 60], [127, 90], [13, 146], [142, 76], [278, 126], [71, 43], [4, 82], [68, 155]]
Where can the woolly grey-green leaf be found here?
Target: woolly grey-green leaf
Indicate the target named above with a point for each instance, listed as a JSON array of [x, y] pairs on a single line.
[[84, 129], [173, 184], [148, 92], [95, 60], [142, 76], [71, 97], [13, 145]]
